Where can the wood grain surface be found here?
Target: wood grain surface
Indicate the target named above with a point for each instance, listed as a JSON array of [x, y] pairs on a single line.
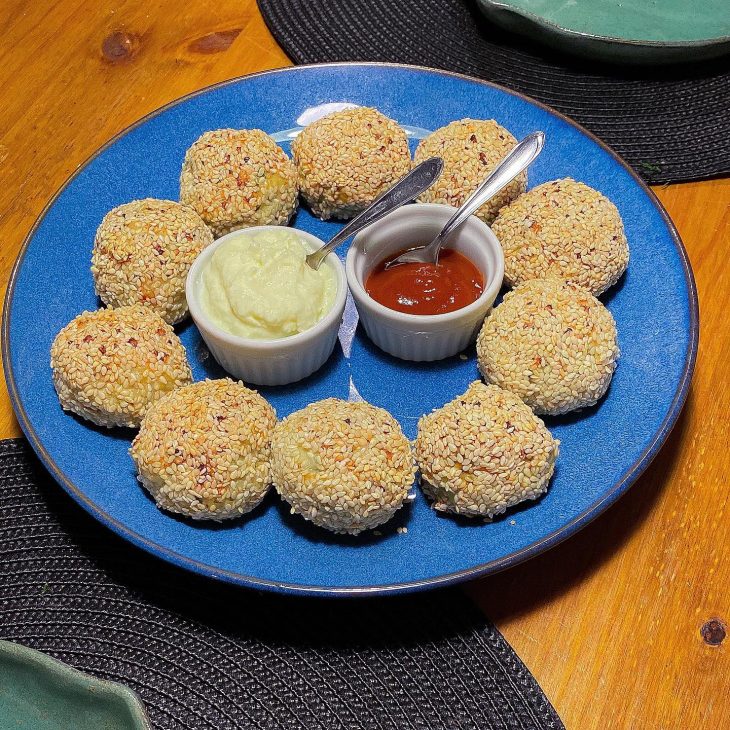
[[623, 625]]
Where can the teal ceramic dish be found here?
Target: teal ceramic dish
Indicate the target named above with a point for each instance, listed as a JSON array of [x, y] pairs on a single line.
[[38, 692], [628, 31]]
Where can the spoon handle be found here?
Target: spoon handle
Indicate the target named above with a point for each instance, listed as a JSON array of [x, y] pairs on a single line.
[[511, 166], [418, 180]]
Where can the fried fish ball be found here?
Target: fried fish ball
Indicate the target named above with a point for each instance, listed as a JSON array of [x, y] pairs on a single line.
[[204, 450], [142, 253], [551, 343], [563, 229], [237, 178], [470, 149], [110, 365], [483, 453], [345, 466], [347, 159]]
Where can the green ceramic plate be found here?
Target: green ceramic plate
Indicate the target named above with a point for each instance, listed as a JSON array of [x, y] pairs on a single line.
[[635, 31], [41, 693]]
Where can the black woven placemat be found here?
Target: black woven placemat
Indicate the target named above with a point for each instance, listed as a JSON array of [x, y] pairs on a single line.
[[671, 124], [206, 655]]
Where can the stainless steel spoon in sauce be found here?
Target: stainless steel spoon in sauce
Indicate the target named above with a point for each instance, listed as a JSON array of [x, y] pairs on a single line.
[[506, 171], [408, 188]]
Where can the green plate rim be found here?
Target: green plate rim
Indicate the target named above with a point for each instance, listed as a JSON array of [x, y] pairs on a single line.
[[41, 662], [505, 7]]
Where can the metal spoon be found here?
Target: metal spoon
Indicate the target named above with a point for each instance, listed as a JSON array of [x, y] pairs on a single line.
[[418, 180], [502, 175]]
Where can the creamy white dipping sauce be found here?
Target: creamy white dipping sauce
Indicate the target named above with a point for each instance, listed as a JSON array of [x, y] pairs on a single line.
[[259, 286]]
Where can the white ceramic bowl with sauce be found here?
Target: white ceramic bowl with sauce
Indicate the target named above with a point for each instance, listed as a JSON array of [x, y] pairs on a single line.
[[271, 361], [416, 336]]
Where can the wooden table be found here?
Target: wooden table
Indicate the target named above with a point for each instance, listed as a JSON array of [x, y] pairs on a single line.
[[618, 624]]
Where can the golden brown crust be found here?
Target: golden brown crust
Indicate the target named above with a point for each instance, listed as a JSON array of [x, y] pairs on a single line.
[[563, 229], [344, 466], [551, 343], [237, 178], [470, 149], [204, 450], [110, 365], [347, 159], [484, 452], [142, 253]]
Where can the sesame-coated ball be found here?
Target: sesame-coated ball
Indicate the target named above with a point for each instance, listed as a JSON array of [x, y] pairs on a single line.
[[344, 466], [551, 343], [237, 178], [470, 149], [483, 453], [204, 450], [142, 253], [563, 229], [110, 365], [347, 159]]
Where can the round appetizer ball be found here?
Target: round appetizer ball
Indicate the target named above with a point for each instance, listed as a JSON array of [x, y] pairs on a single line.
[[470, 149], [483, 453], [344, 466], [204, 450], [551, 343], [347, 159], [237, 178], [109, 366], [142, 253], [563, 229]]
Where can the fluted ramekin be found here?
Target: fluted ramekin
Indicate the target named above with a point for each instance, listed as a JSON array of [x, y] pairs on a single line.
[[276, 361], [416, 336]]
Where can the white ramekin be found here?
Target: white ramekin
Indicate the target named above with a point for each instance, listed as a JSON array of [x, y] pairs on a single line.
[[268, 362], [414, 336]]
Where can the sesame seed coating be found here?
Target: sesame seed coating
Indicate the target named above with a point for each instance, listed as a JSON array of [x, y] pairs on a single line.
[[344, 466], [484, 452], [237, 178], [204, 450], [470, 149], [551, 343], [347, 159], [142, 253], [110, 365], [564, 229]]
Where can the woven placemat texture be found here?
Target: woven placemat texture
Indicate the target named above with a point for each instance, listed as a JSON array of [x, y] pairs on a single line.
[[671, 124], [206, 655]]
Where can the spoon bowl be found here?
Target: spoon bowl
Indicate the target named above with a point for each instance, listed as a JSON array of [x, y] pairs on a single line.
[[502, 175]]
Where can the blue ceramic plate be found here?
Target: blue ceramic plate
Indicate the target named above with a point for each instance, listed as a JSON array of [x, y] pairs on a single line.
[[603, 451]]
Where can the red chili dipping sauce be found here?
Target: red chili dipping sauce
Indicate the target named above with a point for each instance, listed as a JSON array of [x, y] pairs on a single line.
[[426, 288]]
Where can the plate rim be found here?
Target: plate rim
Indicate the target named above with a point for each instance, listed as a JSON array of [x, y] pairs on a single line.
[[70, 680], [533, 549], [564, 30]]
